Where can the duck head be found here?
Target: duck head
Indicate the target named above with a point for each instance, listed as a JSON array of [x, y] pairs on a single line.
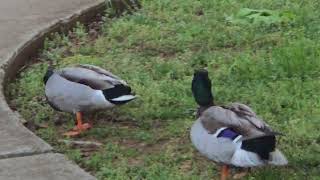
[[201, 88], [48, 74]]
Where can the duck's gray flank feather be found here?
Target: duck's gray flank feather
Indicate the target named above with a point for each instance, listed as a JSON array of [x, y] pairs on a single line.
[[74, 97]]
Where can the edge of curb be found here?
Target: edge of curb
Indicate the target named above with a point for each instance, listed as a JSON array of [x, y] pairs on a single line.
[[29, 48]]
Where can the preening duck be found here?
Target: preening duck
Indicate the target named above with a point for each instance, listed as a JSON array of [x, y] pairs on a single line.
[[84, 88], [231, 135]]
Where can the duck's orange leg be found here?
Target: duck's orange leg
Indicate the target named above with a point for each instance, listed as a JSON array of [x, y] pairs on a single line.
[[79, 127], [224, 172]]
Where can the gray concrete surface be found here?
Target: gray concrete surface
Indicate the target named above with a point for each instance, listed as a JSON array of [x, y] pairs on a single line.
[[21, 19], [23, 26], [16, 140], [49, 166]]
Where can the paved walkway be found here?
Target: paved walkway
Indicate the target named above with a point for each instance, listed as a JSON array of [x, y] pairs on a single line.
[[23, 24]]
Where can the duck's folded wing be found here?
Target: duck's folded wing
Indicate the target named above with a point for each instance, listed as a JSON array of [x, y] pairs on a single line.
[[225, 117], [101, 71], [247, 113], [89, 78], [241, 109]]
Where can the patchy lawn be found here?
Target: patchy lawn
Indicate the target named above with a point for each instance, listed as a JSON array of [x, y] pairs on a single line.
[[262, 53]]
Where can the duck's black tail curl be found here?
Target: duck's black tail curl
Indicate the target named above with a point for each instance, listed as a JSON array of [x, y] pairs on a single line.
[[120, 90], [262, 146]]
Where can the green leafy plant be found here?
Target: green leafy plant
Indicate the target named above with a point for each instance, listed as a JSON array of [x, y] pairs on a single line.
[[260, 16]]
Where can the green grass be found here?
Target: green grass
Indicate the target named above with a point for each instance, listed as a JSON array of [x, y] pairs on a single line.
[[271, 66]]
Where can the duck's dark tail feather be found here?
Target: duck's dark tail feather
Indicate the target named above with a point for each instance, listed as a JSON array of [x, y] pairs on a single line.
[[119, 94], [261, 145], [258, 151]]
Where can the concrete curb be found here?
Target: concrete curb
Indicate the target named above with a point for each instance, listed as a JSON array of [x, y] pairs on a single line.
[[49, 166], [22, 141], [30, 48]]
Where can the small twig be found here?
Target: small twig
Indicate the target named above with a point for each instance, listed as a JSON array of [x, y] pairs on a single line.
[[80, 143]]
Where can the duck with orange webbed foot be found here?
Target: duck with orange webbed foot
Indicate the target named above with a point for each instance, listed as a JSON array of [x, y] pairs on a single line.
[[231, 135], [84, 88]]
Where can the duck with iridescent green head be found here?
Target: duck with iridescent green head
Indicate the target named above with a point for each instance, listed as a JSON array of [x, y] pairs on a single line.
[[231, 135]]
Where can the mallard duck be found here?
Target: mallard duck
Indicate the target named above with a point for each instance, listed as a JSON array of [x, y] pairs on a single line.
[[231, 135], [84, 88]]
